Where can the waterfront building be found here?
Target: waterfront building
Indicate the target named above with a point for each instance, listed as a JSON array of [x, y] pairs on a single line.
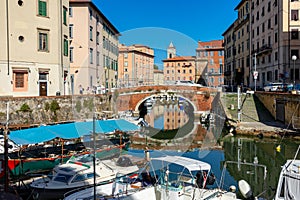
[[34, 56], [136, 65], [271, 35], [237, 48], [93, 49], [178, 68], [158, 77], [210, 62]]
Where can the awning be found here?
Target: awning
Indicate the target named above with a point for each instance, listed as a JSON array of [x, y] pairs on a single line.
[[188, 163], [70, 130]]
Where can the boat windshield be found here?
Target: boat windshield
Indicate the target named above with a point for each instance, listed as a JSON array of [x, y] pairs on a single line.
[[62, 178]]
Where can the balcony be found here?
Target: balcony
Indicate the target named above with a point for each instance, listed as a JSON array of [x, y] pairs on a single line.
[[265, 49]]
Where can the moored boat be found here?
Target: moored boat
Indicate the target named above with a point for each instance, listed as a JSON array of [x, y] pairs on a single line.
[[26, 166], [288, 186], [79, 173], [167, 177]]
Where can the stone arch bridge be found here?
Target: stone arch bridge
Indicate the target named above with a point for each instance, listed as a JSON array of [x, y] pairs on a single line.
[[131, 98]]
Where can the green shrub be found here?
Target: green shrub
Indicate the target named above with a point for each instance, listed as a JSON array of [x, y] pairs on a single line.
[[54, 106], [25, 108], [78, 106], [47, 106]]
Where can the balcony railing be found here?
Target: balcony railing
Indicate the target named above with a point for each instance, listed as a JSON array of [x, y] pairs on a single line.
[[263, 50]]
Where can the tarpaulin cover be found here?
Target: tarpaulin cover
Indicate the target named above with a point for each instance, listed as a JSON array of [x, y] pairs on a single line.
[[70, 130]]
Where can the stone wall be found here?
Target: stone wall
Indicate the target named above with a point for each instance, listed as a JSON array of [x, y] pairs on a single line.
[[291, 105], [51, 109]]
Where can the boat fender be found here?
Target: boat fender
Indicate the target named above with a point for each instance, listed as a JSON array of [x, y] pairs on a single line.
[[232, 188], [245, 189]]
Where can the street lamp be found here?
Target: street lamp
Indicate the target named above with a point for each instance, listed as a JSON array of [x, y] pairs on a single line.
[[294, 58]]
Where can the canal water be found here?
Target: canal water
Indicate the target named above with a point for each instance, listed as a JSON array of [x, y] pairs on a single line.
[[262, 177], [256, 160]]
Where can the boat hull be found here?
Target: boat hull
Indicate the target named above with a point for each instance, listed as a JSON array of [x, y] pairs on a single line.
[[19, 168]]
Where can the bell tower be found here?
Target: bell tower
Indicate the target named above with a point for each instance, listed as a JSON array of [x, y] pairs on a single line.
[[171, 51]]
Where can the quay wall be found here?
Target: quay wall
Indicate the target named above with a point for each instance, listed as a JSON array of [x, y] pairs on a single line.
[[283, 107], [30, 111]]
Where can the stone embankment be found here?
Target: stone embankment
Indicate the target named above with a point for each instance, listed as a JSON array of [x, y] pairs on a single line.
[[255, 118]]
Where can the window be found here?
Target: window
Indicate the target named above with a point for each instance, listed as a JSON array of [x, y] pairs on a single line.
[[97, 37], [43, 76], [295, 34], [91, 33], [43, 40], [66, 45], [20, 80], [71, 54], [276, 37], [91, 14], [71, 30], [70, 11], [294, 15], [269, 23], [295, 52], [65, 15], [42, 8], [91, 55], [98, 58], [275, 19]]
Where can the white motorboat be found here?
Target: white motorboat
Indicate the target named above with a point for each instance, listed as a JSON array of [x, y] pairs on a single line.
[[79, 173], [288, 186], [163, 178]]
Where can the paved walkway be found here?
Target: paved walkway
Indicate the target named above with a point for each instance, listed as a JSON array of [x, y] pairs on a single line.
[[255, 118]]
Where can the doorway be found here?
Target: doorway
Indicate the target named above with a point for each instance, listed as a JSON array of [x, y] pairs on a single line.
[[43, 88]]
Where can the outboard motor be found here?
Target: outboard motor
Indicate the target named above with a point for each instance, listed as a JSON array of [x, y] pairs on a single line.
[[245, 190]]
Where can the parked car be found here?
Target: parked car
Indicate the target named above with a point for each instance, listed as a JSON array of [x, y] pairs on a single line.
[[191, 83], [271, 87]]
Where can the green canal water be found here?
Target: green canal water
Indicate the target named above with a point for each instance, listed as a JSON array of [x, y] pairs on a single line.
[[246, 150]]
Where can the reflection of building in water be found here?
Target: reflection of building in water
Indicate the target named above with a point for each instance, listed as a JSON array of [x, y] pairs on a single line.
[[174, 117], [167, 116], [156, 112]]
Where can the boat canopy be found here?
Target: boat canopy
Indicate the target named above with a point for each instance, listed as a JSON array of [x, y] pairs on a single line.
[[70, 130], [188, 163], [291, 173]]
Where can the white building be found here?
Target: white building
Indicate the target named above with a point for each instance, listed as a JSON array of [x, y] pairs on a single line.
[[34, 48]]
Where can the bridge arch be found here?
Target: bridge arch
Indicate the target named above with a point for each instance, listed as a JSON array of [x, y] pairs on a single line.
[[166, 96]]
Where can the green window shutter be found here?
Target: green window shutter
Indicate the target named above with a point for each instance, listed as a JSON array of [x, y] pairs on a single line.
[[46, 40], [65, 15], [42, 8], [65, 47]]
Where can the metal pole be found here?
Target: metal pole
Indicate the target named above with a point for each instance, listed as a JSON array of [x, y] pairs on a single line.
[[94, 157], [294, 58], [239, 104], [6, 150], [294, 76], [7, 37], [255, 71]]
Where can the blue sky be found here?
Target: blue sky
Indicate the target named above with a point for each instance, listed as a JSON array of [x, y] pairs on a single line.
[[158, 22]]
